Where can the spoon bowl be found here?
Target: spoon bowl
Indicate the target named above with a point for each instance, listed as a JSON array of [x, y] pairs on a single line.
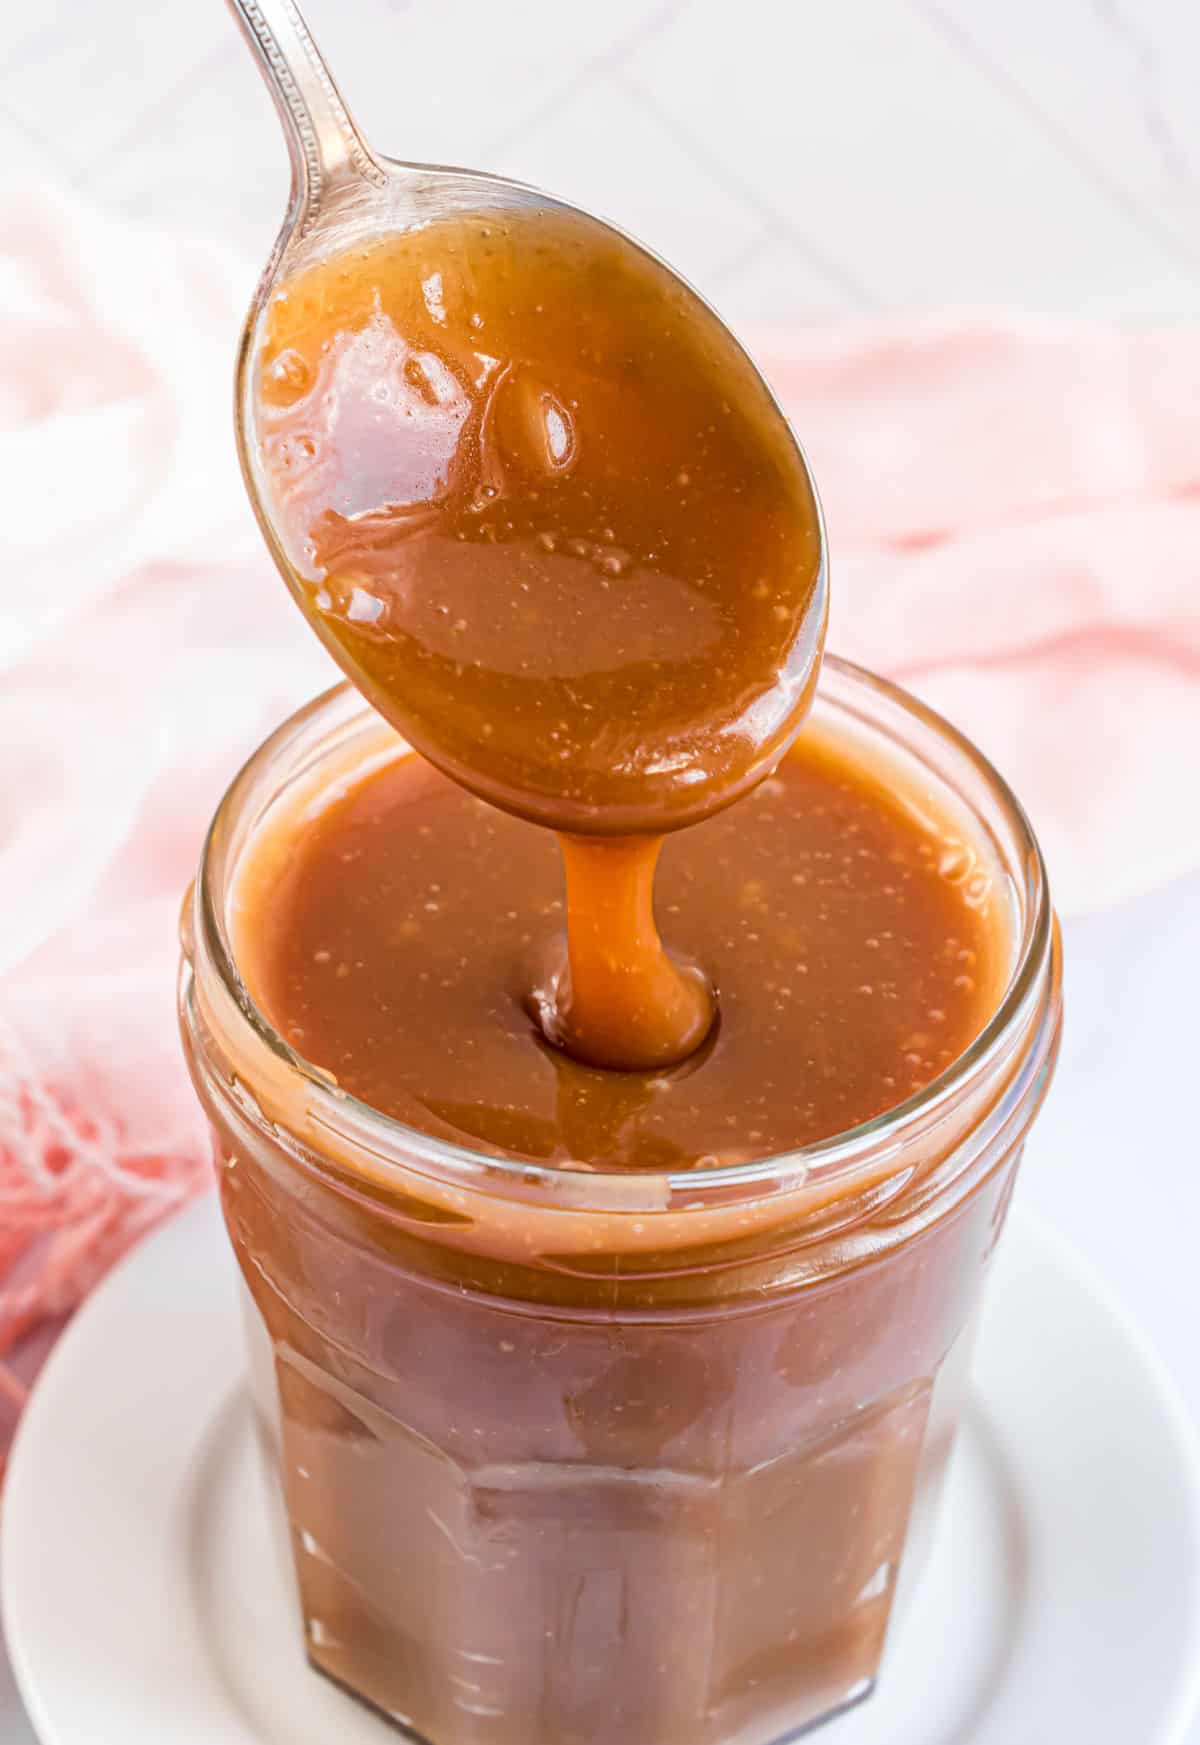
[[503, 510]]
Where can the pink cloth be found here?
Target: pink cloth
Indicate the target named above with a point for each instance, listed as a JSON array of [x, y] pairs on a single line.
[[1014, 520]]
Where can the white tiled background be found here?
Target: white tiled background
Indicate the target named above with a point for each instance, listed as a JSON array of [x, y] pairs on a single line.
[[795, 157], [799, 159]]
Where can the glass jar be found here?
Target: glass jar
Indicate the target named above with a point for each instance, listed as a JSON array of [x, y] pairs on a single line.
[[589, 1458]]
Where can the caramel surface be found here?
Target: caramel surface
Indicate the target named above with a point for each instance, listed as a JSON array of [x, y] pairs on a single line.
[[852, 956]]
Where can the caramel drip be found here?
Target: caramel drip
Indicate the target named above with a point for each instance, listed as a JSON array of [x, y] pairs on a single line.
[[618, 997]]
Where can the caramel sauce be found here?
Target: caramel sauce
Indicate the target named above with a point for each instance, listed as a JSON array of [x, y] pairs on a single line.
[[545, 513], [596, 1474], [855, 952]]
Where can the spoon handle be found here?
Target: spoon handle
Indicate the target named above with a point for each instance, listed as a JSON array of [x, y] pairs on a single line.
[[325, 146]]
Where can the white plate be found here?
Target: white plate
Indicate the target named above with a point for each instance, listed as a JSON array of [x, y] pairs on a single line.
[[148, 1599]]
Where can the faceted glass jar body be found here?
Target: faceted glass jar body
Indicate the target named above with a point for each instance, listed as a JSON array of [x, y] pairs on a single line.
[[582, 1458]]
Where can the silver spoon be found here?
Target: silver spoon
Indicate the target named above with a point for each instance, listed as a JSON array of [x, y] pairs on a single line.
[[344, 194]]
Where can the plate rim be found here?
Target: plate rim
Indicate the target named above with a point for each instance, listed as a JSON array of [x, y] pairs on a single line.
[[1185, 1433]]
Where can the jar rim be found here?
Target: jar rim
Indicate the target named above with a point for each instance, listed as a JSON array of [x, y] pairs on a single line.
[[1032, 984]]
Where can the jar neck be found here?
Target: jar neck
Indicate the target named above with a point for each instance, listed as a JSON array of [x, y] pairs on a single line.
[[827, 1209], [912, 1163]]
